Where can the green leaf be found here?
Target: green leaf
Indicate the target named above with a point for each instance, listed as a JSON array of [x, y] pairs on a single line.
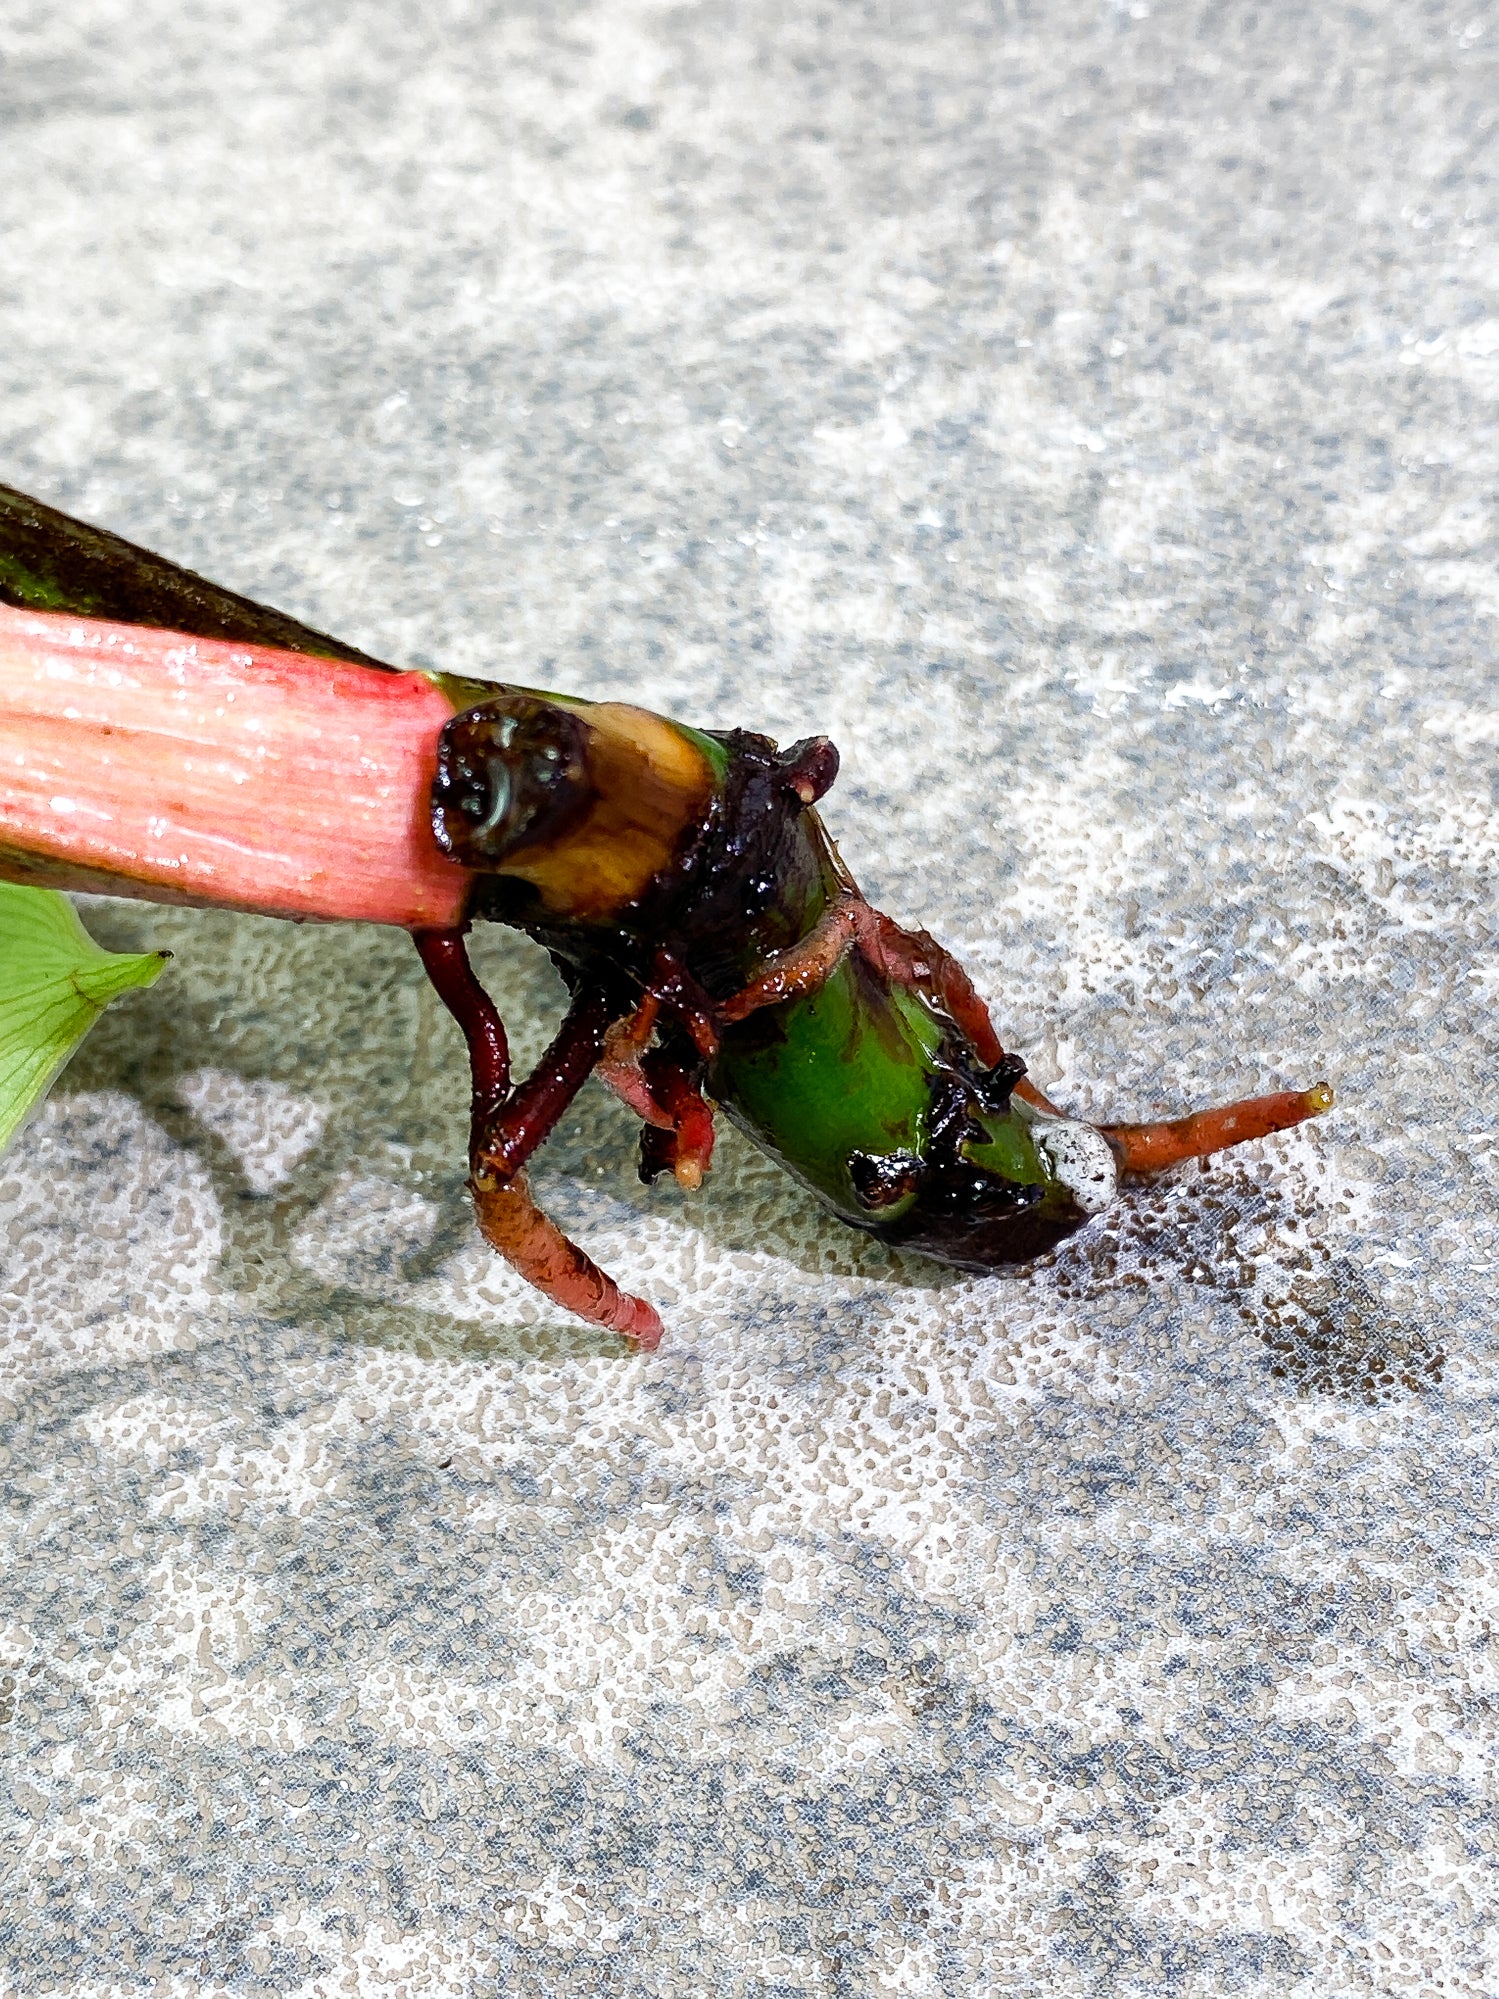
[[55, 981]]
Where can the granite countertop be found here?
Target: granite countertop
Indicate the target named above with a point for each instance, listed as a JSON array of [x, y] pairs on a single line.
[[1088, 415]]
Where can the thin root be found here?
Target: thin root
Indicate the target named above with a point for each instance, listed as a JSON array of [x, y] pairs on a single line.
[[1150, 1148], [1027, 1089], [804, 967], [681, 1141], [504, 1136], [508, 1124], [674, 987], [915, 959], [532, 1243], [657, 1087], [910, 958], [444, 954], [619, 1065]]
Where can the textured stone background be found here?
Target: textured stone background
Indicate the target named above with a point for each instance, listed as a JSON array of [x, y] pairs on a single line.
[[1088, 413]]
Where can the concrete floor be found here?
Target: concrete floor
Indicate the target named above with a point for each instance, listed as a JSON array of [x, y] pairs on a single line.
[[1088, 414]]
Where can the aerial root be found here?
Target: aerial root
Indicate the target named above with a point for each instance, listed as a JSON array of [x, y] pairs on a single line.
[[910, 958], [510, 1121], [1150, 1148], [531, 1243]]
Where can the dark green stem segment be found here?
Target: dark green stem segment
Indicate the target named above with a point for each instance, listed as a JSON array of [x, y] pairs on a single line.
[[50, 562], [861, 1091]]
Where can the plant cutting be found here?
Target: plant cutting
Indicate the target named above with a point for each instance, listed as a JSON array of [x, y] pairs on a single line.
[[166, 739]]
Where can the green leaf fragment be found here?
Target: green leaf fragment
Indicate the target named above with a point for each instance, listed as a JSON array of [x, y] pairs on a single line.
[[55, 981]]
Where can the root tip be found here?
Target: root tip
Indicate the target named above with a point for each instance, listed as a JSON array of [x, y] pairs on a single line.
[[645, 1329], [1319, 1098]]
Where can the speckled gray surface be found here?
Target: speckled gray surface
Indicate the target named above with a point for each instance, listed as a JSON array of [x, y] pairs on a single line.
[[1089, 415]]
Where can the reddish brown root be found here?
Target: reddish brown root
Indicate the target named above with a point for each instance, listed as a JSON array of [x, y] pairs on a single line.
[[910, 958], [504, 1136], [688, 1152], [628, 1039], [674, 987], [1027, 1089], [619, 1065], [508, 1124], [915, 959], [694, 1152], [1150, 1148], [657, 1087], [532, 1243], [445, 956], [801, 968]]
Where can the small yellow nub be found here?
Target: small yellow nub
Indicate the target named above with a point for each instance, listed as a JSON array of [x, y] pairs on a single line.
[[1319, 1098]]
